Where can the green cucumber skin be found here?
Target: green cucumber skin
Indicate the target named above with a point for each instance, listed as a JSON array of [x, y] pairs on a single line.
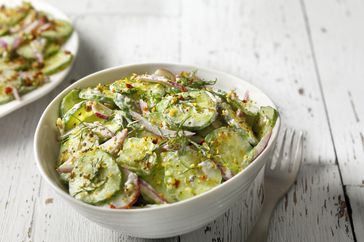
[[138, 155], [57, 62], [189, 117], [84, 173], [69, 101], [93, 94], [61, 34], [229, 148], [187, 174]]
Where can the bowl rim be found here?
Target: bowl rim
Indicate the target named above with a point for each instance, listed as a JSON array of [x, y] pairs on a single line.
[[67, 196]]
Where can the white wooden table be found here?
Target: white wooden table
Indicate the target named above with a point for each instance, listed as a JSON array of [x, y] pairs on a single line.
[[307, 55]]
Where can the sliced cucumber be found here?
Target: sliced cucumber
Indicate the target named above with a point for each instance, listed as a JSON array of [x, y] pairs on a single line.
[[62, 30], [116, 122], [58, 62], [11, 16], [70, 100], [193, 110], [32, 49], [240, 123], [51, 49], [95, 178], [80, 112], [18, 64], [188, 173], [228, 148], [129, 191], [266, 121], [138, 155], [100, 93], [80, 139], [156, 180]]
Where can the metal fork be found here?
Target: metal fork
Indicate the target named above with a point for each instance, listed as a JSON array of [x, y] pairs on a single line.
[[278, 179]]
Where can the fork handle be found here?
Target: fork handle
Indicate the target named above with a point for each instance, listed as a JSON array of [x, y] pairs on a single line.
[[259, 232]]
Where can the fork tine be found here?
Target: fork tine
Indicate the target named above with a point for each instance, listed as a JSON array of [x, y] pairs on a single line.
[[278, 156], [289, 157], [297, 159]]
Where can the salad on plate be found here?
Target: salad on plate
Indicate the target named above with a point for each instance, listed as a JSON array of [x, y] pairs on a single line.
[[30, 49], [159, 138]]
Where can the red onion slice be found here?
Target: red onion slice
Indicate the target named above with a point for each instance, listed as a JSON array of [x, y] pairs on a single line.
[[154, 129], [129, 192], [114, 144], [143, 106], [3, 44], [66, 167], [162, 80], [101, 111], [148, 191], [15, 93], [225, 171]]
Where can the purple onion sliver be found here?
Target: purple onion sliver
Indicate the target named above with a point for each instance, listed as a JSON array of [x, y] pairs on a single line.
[[147, 189]]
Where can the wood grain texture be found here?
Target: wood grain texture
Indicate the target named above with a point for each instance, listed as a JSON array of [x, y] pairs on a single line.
[[54, 214], [264, 42], [261, 41], [316, 199], [20, 181], [356, 198], [338, 44]]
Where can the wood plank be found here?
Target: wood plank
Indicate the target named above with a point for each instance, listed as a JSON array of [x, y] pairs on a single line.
[[314, 209], [337, 37], [55, 215], [19, 177], [108, 41], [356, 198], [120, 7], [265, 43]]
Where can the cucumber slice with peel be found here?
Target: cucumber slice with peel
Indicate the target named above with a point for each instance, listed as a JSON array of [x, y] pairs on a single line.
[[138, 155], [81, 112], [69, 101], [101, 94], [266, 121], [193, 110], [60, 32], [228, 148], [57, 62], [187, 174], [129, 191], [239, 123], [51, 49], [95, 178]]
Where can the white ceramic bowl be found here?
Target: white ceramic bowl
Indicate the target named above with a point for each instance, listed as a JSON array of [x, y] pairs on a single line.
[[167, 220]]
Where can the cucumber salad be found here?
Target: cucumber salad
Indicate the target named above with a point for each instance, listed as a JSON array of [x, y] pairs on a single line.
[[30, 49], [156, 138]]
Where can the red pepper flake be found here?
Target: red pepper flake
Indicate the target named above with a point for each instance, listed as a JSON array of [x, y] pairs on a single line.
[[8, 90], [128, 85], [112, 206], [203, 178], [176, 183]]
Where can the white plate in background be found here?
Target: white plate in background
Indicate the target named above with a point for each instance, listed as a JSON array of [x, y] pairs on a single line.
[[71, 45]]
